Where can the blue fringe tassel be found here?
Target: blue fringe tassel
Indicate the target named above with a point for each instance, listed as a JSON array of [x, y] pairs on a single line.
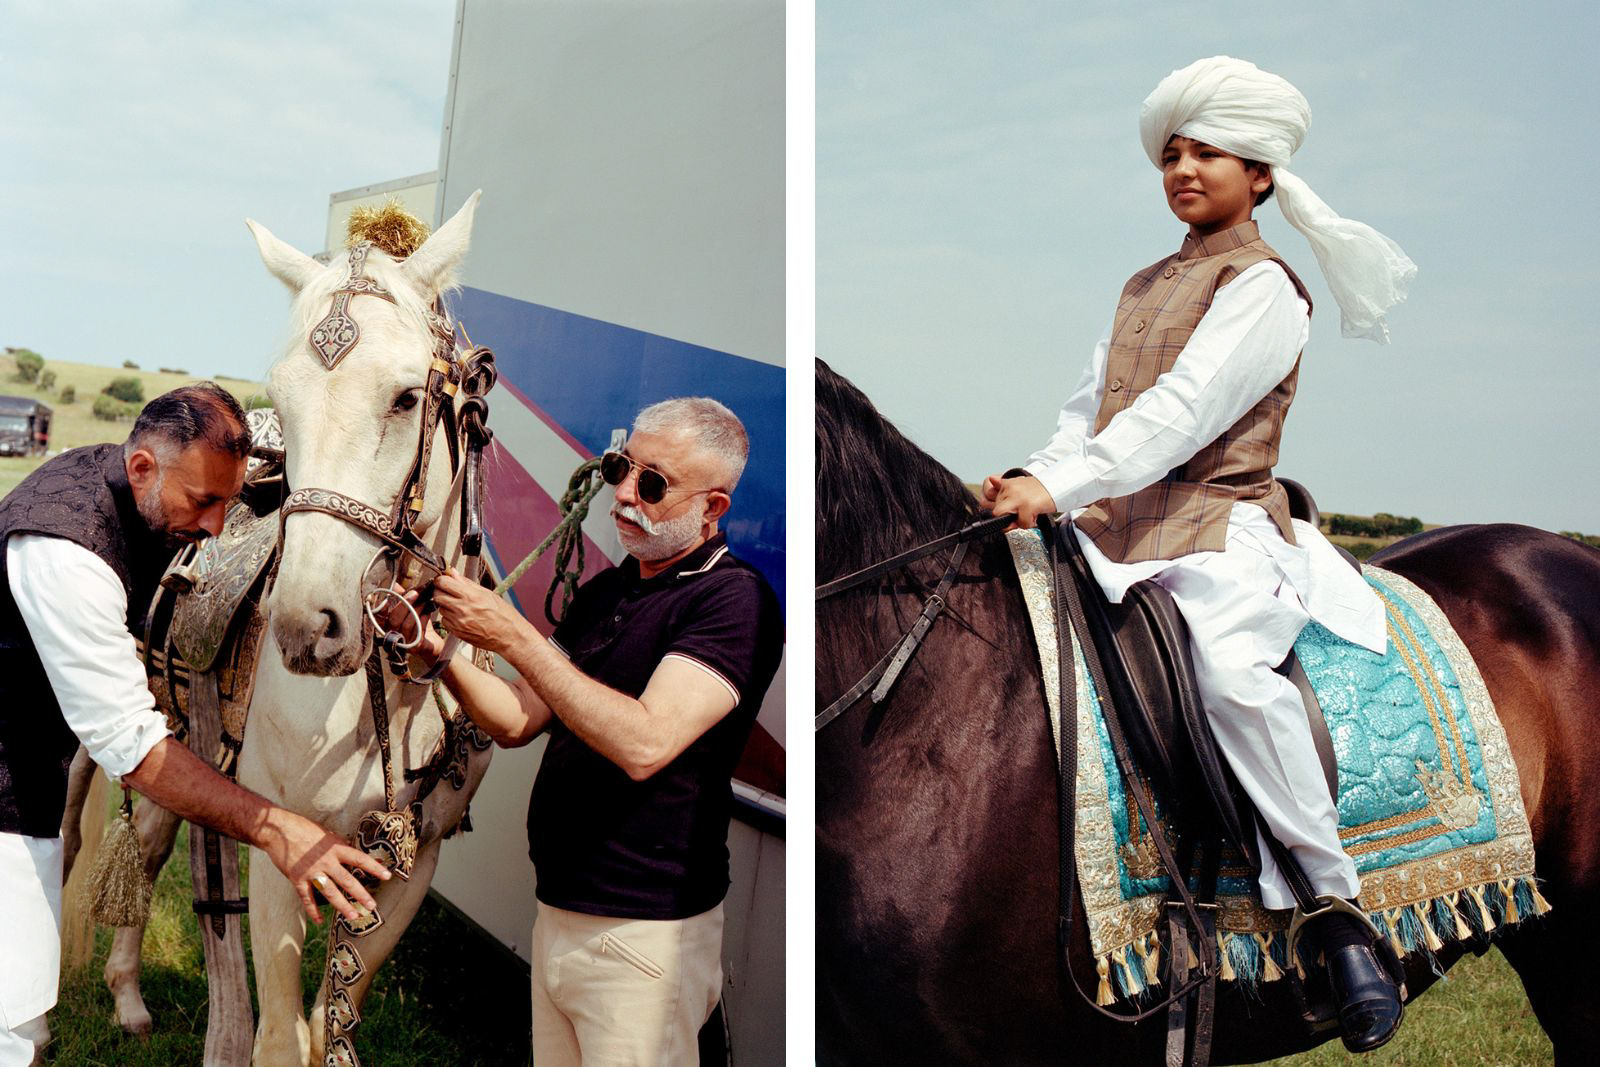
[[1244, 953], [1247, 959], [1525, 908]]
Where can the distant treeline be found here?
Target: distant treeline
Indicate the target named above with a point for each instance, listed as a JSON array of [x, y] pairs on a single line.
[[1380, 525], [1588, 539]]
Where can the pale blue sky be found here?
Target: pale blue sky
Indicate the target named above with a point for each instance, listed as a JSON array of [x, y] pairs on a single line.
[[137, 137], [982, 196]]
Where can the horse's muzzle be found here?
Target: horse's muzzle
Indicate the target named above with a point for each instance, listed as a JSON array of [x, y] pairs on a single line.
[[323, 643]]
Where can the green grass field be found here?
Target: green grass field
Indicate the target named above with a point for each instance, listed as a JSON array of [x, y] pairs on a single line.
[[74, 424], [446, 996], [1476, 1017]]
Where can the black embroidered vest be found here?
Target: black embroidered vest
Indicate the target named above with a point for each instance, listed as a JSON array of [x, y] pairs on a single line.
[[82, 496]]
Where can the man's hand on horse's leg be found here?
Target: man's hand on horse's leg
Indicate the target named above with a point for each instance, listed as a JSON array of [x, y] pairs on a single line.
[[313, 858]]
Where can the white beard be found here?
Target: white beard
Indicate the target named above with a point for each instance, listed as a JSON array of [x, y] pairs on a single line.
[[660, 540]]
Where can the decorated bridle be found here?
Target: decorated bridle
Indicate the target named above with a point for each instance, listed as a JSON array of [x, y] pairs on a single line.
[[391, 834], [449, 373]]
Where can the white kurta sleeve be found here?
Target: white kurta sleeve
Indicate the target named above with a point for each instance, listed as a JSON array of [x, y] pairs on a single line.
[[1245, 344], [76, 612], [1076, 421]]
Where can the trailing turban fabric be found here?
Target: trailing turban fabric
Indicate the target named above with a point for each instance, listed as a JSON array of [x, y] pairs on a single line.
[[1235, 106]]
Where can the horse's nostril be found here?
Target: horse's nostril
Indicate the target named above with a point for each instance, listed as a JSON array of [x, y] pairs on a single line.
[[334, 628]]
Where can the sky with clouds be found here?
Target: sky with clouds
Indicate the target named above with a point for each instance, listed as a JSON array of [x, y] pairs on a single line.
[[982, 196], [137, 138]]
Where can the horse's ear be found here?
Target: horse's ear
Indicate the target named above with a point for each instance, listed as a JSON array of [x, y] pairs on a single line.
[[287, 263], [433, 266]]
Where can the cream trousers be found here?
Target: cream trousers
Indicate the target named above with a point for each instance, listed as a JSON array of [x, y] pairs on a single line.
[[1243, 618], [612, 992]]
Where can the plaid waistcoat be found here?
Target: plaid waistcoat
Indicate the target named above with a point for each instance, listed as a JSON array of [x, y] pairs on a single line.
[[1187, 511]]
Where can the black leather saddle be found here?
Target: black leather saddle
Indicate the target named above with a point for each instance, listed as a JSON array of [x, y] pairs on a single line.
[[1144, 645]]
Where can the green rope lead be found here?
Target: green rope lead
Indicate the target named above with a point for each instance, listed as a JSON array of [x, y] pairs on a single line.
[[581, 489]]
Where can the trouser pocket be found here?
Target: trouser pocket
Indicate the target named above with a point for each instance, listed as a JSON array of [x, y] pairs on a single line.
[[612, 945]]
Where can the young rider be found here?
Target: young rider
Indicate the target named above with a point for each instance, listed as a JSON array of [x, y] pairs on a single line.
[[1163, 457]]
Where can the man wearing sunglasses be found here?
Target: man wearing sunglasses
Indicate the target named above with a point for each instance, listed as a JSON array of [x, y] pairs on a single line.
[[649, 688]]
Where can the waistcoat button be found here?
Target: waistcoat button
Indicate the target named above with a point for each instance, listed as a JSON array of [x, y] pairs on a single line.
[[1169, 272], [1138, 327], [1116, 385]]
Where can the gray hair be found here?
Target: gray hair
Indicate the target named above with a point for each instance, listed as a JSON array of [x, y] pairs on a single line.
[[201, 412], [708, 423]]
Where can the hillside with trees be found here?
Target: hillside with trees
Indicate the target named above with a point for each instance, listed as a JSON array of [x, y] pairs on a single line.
[[92, 404]]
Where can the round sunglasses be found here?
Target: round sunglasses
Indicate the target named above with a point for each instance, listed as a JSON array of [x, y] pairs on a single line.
[[653, 485]]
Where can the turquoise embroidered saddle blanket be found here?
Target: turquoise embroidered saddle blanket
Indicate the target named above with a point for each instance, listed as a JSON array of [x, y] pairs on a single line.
[[1430, 808]]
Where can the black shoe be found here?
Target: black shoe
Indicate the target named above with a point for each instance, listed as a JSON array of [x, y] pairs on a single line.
[[1368, 999]]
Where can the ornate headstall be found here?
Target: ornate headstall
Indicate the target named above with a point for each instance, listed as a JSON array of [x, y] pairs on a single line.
[[449, 373], [337, 333], [391, 834]]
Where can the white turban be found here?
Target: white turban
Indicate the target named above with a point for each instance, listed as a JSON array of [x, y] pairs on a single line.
[[1237, 107]]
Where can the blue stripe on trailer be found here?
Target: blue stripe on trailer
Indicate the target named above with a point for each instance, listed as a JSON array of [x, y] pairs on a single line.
[[592, 376]]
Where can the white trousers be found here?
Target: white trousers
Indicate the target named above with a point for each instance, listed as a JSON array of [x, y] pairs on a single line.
[[20, 1045], [30, 942], [623, 992], [1243, 618]]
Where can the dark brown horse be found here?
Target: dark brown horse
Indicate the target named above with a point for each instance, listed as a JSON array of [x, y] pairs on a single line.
[[936, 844]]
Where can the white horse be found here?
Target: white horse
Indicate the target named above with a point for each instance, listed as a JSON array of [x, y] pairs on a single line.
[[352, 428], [310, 746]]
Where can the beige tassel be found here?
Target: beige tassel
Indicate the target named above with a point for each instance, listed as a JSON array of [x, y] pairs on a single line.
[[1270, 971], [1540, 905], [118, 890], [1227, 973], [1142, 949], [1429, 937], [1103, 996], [1462, 931], [1188, 954], [1391, 919], [1509, 888], [1483, 909], [1129, 977]]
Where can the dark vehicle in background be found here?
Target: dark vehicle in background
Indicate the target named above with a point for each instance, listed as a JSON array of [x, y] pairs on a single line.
[[24, 426]]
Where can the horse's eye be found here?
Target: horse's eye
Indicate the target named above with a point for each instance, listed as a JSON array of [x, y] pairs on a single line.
[[407, 400]]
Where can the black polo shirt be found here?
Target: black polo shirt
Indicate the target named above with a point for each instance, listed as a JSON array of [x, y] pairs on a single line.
[[602, 843]]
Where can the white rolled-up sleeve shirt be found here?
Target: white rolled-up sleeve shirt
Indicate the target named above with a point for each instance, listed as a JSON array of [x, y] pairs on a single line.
[[76, 610], [1246, 343]]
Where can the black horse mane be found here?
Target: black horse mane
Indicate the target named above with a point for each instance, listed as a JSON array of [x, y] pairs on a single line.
[[877, 493]]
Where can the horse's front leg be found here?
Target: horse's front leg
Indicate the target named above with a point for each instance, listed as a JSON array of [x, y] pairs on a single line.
[[157, 828], [398, 903], [277, 940]]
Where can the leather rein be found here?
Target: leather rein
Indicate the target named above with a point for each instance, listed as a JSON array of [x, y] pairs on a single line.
[[881, 678]]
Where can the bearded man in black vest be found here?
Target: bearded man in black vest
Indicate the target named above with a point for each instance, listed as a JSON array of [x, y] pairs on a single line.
[[85, 540]]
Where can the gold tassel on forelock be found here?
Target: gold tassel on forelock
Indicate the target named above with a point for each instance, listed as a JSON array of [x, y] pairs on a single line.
[[390, 227], [118, 889]]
